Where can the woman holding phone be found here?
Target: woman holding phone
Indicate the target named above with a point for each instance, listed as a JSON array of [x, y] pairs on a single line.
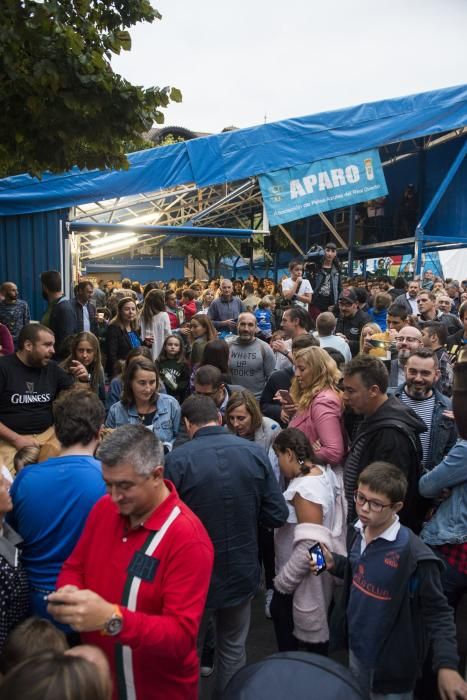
[[315, 391], [317, 514]]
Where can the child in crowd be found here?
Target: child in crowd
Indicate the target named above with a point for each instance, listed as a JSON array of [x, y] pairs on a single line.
[[317, 511], [173, 367], [394, 605], [24, 456], [32, 636], [379, 311], [189, 304], [264, 318]]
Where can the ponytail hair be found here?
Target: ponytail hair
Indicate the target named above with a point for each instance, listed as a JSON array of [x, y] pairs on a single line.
[[297, 442]]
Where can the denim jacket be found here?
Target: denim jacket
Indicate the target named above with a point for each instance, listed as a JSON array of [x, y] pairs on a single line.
[[449, 523], [165, 423], [443, 429]]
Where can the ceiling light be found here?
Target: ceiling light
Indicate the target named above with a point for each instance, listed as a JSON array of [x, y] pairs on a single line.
[[116, 245], [114, 238], [153, 216]]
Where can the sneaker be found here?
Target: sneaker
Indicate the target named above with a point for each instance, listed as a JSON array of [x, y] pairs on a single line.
[[207, 663], [267, 603]]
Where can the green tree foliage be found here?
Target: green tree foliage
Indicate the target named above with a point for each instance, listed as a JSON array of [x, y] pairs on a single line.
[[61, 103]]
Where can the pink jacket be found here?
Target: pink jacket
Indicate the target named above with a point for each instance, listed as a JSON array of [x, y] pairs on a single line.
[[323, 421]]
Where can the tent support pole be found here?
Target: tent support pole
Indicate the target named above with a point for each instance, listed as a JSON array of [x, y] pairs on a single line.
[[291, 240], [236, 251], [351, 251], [420, 230], [328, 224]]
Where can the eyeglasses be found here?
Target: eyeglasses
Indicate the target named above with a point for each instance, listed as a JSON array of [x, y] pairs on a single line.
[[206, 393], [409, 339], [374, 506]]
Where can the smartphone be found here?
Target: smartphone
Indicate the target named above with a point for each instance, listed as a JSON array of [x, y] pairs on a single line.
[[53, 602], [317, 554], [377, 344], [284, 394]]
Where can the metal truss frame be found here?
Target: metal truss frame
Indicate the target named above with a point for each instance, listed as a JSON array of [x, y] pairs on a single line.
[[234, 205]]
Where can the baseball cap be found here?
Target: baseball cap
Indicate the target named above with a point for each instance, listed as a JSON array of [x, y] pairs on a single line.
[[348, 295]]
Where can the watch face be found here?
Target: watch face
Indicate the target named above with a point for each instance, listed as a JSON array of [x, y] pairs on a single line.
[[114, 626]]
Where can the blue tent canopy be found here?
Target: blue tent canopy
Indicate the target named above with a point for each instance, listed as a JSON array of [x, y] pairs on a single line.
[[236, 155]]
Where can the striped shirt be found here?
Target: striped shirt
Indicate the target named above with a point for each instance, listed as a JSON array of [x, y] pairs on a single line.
[[424, 409]]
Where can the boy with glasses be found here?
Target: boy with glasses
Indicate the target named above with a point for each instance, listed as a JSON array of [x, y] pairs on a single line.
[[394, 603]]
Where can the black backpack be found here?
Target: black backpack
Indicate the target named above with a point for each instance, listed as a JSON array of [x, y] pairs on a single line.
[[294, 675]]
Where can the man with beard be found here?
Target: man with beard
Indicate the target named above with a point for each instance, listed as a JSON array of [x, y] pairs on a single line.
[[389, 432], [29, 383], [409, 298], [435, 338], [14, 312], [419, 394], [295, 322], [251, 360], [408, 339]]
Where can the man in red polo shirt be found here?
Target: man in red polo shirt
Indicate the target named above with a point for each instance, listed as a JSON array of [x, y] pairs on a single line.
[[137, 581]]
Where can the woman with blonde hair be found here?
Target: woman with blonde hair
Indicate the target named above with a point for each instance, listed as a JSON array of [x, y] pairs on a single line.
[[368, 330], [315, 392], [207, 297]]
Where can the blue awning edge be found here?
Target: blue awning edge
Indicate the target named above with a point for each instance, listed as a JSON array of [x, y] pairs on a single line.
[[236, 155]]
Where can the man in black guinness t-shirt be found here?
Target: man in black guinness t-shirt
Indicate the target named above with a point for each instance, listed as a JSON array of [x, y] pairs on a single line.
[[29, 382]]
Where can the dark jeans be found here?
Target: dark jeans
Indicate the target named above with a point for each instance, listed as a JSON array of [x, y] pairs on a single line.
[[282, 617], [266, 554], [454, 582]]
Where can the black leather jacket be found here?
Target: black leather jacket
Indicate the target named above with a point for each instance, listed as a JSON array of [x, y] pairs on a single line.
[[318, 279]]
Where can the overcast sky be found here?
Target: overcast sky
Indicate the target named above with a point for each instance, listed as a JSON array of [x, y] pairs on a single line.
[[239, 63]]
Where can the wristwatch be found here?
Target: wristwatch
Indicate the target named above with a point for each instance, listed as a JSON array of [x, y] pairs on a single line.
[[114, 624]]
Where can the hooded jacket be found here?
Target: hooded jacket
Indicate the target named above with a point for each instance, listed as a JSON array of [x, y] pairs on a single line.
[[390, 434]]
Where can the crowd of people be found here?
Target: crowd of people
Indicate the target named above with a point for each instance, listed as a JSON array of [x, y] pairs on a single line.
[[172, 451]]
